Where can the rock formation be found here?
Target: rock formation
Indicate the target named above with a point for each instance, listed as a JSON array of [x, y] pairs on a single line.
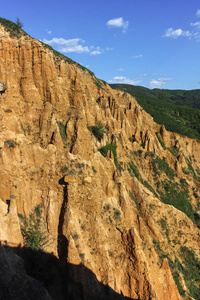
[[124, 206]]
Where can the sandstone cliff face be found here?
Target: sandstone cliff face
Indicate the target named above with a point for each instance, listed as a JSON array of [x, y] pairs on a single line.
[[128, 218]]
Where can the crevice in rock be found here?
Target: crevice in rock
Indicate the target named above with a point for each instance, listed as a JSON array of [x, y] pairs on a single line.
[[62, 240], [52, 138], [74, 137]]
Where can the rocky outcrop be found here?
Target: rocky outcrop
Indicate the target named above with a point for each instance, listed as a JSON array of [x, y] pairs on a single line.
[[125, 214], [14, 281]]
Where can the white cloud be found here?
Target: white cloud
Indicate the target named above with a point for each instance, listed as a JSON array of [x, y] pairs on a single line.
[[118, 23], [159, 83], [96, 52], [49, 32], [68, 46], [138, 56], [74, 46], [186, 33], [120, 70], [196, 25], [195, 33], [174, 34], [198, 13], [122, 79]]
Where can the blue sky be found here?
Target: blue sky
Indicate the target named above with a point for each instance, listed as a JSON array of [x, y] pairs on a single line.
[[155, 44]]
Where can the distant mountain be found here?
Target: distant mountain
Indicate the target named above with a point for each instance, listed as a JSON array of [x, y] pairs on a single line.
[[178, 110]]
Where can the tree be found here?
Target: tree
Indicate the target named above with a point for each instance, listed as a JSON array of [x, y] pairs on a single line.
[[19, 23], [33, 230]]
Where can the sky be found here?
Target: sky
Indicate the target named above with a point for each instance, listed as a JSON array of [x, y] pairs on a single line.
[[151, 43]]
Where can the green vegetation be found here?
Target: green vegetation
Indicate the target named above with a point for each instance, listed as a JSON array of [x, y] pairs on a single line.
[[112, 214], [82, 257], [178, 110], [160, 165], [175, 266], [134, 198], [99, 83], [177, 195], [32, 228], [62, 129], [106, 207], [9, 143], [160, 140], [19, 23], [191, 272], [171, 149], [13, 28], [148, 186], [190, 170], [97, 131], [113, 148], [117, 214], [133, 171]]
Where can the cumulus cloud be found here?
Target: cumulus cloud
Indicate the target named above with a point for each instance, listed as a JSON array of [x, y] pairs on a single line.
[[68, 46], [74, 46], [118, 23], [159, 83], [174, 34], [122, 79], [194, 33]]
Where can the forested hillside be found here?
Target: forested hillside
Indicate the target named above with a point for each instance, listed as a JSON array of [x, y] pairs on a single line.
[[178, 110]]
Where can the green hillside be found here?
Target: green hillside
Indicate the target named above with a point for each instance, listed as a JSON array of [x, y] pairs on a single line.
[[178, 110]]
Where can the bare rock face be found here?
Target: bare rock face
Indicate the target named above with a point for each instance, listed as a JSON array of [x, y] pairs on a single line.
[[120, 210]]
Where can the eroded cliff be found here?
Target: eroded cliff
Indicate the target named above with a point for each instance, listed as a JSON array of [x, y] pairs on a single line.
[[124, 204]]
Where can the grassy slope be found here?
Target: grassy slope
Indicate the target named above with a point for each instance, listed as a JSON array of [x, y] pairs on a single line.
[[178, 110]]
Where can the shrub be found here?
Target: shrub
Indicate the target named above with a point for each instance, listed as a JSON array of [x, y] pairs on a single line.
[[97, 131], [32, 228], [9, 143], [160, 140], [117, 214], [62, 129], [112, 147]]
